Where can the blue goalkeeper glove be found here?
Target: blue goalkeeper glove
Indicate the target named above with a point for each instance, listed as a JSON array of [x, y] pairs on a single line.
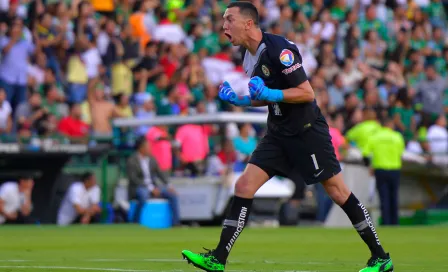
[[259, 91], [226, 93]]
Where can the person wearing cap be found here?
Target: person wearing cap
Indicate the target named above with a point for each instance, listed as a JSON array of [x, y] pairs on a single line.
[[385, 149], [15, 200], [145, 110]]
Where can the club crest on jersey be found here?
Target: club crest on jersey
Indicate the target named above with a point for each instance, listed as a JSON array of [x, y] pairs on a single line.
[[265, 70], [286, 57]]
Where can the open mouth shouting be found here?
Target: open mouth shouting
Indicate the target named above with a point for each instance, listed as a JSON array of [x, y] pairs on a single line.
[[228, 36]]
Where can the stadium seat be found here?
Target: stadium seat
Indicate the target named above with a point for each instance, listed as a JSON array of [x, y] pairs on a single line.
[[108, 213], [156, 214], [132, 209]]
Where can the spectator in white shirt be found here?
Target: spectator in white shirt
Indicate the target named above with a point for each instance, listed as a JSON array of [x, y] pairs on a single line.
[[168, 32], [81, 202], [438, 141], [15, 201], [324, 29], [5, 114]]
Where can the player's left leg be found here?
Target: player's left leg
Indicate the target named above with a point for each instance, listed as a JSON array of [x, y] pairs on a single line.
[[360, 218], [317, 162]]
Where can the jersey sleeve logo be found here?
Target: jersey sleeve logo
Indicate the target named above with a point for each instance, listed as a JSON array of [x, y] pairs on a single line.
[[286, 57], [265, 70]]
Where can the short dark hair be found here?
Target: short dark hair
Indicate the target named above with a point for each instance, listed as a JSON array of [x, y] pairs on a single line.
[[386, 121], [247, 9], [140, 142], [25, 176], [73, 105], [86, 176]]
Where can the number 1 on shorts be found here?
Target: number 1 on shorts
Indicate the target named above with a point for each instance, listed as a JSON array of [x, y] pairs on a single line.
[[313, 156]]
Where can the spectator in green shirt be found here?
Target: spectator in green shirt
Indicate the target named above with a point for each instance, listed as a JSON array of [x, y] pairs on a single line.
[[370, 21], [51, 101], [418, 41], [403, 114], [306, 7], [338, 10], [436, 13], [158, 89], [169, 104], [441, 63]]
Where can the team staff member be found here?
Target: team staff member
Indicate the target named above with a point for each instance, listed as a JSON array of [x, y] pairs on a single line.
[[15, 201], [81, 202], [385, 149]]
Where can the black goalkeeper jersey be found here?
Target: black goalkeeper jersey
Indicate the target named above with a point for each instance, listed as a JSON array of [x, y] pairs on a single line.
[[279, 63]]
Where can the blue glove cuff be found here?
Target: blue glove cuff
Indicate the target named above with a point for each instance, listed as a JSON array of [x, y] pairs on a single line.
[[275, 95], [242, 101]]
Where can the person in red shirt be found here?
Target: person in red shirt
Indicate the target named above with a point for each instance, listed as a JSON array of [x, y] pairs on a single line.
[[72, 126], [227, 155]]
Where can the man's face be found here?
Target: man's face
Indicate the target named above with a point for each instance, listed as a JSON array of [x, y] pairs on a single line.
[[151, 50], [441, 121], [145, 149], [91, 182], [26, 185], [2, 95], [46, 21], [371, 13], [53, 93], [431, 73], [235, 26], [35, 100], [76, 111], [148, 105], [110, 27], [99, 94], [16, 29]]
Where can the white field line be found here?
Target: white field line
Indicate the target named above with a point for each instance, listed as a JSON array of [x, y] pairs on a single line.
[[167, 260], [230, 262]]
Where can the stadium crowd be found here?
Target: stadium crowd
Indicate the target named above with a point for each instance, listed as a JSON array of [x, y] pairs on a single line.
[[68, 68]]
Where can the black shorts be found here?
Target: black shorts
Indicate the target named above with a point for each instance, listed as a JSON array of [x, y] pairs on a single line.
[[308, 157]]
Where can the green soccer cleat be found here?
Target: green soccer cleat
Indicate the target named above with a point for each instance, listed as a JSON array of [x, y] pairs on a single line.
[[376, 264], [204, 261]]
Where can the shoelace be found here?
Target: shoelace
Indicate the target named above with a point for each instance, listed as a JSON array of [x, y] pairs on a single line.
[[372, 261], [209, 252]]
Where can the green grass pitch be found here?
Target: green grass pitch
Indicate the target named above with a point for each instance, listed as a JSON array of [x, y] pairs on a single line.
[[126, 248]]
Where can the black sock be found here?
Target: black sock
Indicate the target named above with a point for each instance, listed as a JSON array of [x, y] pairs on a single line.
[[360, 218], [232, 227]]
